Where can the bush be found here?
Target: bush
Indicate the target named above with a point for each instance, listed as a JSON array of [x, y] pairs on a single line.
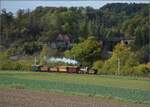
[[15, 65], [6, 65], [110, 67], [98, 65], [142, 69], [122, 58], [23, 65]]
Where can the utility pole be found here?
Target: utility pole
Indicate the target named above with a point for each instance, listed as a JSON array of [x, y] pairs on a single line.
[[118, 72], [35, 60], [73, 57]]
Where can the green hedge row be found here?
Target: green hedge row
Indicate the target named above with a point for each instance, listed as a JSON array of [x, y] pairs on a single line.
[[15, 65], [140, 69]]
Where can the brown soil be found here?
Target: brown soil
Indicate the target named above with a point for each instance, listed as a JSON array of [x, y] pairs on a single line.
[[24, 98]]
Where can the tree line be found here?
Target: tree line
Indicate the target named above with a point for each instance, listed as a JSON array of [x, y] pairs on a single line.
[[25, 32], [42, 24]]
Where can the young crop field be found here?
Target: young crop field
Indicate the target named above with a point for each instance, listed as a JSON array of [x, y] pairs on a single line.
[[130, 89]]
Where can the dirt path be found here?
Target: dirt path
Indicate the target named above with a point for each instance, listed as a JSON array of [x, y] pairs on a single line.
[[24, 98]]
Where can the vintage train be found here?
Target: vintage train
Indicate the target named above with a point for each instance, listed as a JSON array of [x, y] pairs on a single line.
[[64, 69]]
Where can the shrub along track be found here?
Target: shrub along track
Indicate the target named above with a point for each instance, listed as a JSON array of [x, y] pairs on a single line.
[[26, 98]]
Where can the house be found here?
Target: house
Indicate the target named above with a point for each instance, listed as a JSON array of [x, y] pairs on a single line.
[[61, 41]]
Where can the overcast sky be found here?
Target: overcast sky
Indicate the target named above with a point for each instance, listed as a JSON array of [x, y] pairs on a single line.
[[14, 5]]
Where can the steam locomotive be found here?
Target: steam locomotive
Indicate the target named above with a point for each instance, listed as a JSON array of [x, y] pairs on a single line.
[[64, 69]]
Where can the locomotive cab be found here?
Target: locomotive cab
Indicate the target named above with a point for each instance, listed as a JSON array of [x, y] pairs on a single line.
[[36, 68]]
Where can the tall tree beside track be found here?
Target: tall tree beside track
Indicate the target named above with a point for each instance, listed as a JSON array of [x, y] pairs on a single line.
[[85, 52]]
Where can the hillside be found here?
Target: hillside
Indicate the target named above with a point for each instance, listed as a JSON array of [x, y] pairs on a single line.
[[27, 31]]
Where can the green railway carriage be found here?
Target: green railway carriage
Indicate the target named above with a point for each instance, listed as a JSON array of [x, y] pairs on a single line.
[[36, 68]]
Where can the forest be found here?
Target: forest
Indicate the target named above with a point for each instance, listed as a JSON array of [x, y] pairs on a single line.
[[62, 31]]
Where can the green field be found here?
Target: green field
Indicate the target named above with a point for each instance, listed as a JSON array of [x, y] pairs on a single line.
[[132, 89]]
